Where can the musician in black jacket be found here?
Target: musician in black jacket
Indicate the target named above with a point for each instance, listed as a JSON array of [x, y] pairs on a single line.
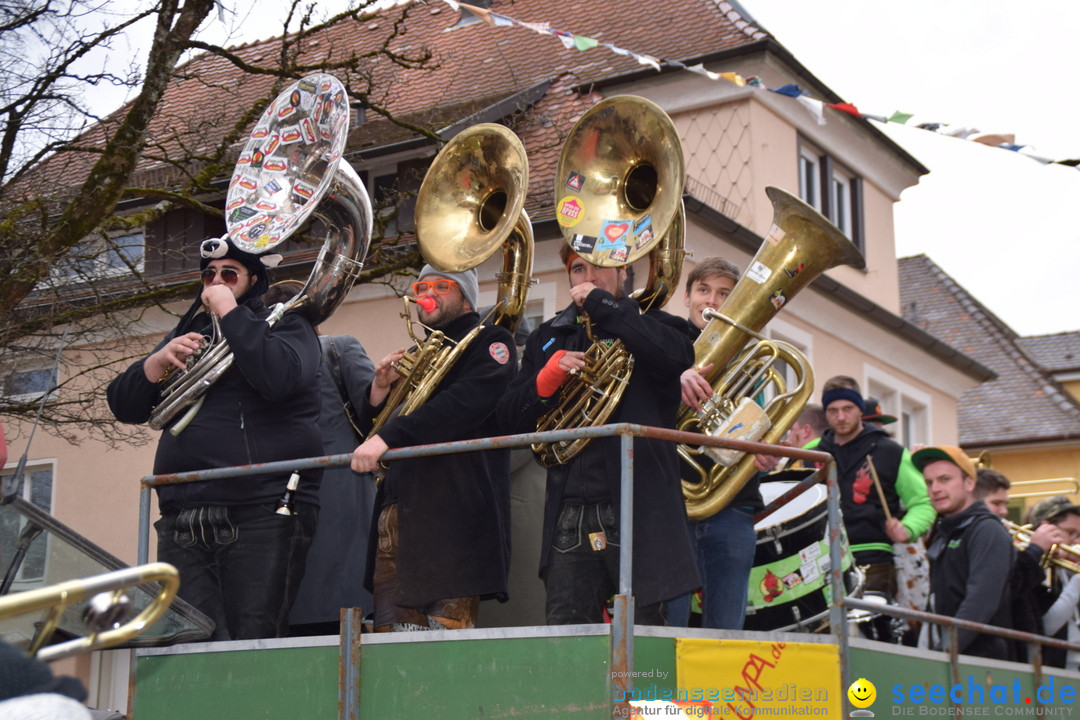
[[240, 562], [971, 554], [442, 540], [580, 550]]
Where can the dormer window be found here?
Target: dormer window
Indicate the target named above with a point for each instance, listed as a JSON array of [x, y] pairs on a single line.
[[831, 189]]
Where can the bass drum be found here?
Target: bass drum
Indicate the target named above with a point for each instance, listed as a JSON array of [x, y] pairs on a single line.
[[789, 584]]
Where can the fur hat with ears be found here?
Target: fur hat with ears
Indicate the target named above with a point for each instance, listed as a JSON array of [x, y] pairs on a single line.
[[223, 248]]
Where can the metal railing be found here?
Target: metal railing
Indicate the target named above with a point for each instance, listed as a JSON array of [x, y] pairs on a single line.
[[623, 620], [622, 623]]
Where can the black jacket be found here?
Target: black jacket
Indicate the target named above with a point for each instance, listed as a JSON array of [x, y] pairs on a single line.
[[264, 408], [664, 565], [971, 557], [453, 510], [903, 485]]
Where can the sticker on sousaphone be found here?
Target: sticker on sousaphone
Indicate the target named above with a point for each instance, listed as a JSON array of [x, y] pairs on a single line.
[[575, 181], [583, 244], [242, 213], [613, 234], [275, 165], [570, 211], [776, 234], [643, 232], [620, 254], [291, 134], [758, 272]]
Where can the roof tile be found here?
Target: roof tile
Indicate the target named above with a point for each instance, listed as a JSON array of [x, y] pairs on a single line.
[[1024, 403]]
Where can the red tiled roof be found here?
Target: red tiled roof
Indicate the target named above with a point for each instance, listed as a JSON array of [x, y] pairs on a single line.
[[1024, 403], [475, 65]]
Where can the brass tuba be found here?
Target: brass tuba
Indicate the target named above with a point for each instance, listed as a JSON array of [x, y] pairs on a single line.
[[800, 246], [469, 205], [290, 171], [619, 186]]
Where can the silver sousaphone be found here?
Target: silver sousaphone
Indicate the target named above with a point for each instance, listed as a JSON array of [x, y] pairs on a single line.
[[291, 171]]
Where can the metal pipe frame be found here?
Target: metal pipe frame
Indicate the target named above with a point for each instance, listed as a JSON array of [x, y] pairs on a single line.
[[622, 631]]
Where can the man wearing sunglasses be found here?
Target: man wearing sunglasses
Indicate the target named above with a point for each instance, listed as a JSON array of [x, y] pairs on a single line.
[[442, 522], [240, 561], [580, 549]]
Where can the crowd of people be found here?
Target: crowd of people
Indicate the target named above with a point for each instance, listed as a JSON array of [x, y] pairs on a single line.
[[420, 542]]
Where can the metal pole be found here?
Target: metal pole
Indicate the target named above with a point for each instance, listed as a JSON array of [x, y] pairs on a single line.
[[622, 627], [837, 612], [144, 526]]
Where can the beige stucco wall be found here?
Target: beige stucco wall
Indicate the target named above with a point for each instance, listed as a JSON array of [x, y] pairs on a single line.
[[737, 141]]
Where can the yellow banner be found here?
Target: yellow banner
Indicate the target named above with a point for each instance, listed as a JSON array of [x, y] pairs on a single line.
[[745, 680]]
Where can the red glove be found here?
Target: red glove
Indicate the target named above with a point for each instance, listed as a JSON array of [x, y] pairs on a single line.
[[551, 376]]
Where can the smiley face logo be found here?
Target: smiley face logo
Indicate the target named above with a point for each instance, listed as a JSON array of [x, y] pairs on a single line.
[[862, 693]]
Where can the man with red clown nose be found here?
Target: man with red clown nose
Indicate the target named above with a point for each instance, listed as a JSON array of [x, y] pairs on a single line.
[[441, 538]]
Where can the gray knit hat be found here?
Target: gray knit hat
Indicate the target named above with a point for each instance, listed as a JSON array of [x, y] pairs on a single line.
[[470, 288]]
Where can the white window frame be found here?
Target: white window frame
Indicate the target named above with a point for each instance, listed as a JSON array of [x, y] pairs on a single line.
[[105, 261], [803, 341], [911, 406], [841, 201], [34, 395], [810, 174], [22, 582], [541, 301], [836, 191]]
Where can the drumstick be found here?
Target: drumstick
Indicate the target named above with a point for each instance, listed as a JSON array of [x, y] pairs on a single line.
[[880, 491]]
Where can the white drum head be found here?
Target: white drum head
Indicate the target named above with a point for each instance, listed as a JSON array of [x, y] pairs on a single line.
[[803, 504]]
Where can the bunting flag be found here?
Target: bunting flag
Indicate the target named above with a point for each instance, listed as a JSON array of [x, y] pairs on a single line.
[[814, 106]]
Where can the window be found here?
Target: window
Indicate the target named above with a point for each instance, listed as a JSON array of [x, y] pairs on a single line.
[[832, 190], [810, 178], [801, 340], [97, 257], [29, 385], [540, 305], [840, 201], [910, 406], [393, 191], [37, 488]]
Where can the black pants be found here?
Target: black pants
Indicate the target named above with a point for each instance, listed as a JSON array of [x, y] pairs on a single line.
[[239, 565], [583, 568]]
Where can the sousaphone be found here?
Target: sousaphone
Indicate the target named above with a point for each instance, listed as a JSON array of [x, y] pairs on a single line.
[[290, 171], [619, 186], [469, 206]]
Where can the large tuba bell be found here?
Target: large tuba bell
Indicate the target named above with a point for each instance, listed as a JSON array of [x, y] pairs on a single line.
[[620, 177], [290, 171], [469, 205], [800, 246]]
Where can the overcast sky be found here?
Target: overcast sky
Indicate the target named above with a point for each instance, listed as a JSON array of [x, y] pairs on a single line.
[[1003, 225]]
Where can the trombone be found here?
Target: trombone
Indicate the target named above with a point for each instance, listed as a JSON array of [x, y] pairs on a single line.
[[1063, 556], [103, 613], [1030, 487]]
